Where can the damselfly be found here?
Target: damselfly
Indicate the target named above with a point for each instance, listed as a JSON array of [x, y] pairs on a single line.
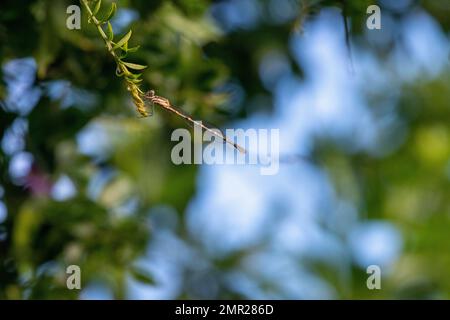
[[166, 105]]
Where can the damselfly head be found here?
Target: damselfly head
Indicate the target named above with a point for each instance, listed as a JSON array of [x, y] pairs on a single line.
[[150, 94]]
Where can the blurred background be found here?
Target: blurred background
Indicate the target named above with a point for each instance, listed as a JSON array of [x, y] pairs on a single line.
[[364, 127]]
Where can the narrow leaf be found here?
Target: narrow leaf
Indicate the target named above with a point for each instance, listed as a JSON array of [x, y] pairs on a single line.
[[134, 66], [119, 72], [112, 12], [135, 80], [135, 75], [123, 40], [97, 7], [110, 32], [124, 49], [134, 49]]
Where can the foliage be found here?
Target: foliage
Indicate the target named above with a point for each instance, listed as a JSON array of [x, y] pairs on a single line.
[[123, 67], [111, 221]]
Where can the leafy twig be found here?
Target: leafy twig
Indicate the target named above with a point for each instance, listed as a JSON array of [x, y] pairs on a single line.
[[133, 79], [119, 51]]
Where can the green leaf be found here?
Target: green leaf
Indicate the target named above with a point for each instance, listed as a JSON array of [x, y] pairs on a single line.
[[110, 32], [134, 49], [142, 275], [124, 51], [119, 72], [134, 66], [97, 7], [112, 12], [135, 75], [135, 80], [123, 40]]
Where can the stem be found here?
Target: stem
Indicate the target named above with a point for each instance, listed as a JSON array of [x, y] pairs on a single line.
[[121, 69], [104, 36]]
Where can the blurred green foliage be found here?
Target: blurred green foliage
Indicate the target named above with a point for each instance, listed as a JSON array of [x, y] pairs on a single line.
[[189, 60]]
